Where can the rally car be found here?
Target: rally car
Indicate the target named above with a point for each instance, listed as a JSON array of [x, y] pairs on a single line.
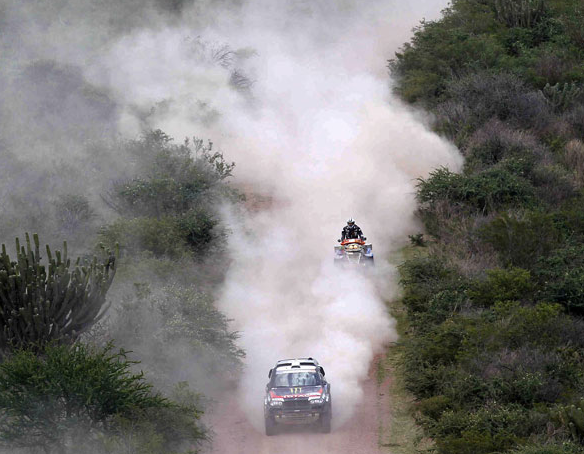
[[297, 393]]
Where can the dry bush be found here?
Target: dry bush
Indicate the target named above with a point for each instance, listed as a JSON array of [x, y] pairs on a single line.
[[525, 368], [560, 129], [554, 183], [552, 67], [575, 118], [478, 97], [451, 118], [460, 244], [496, 141], [573, 158]]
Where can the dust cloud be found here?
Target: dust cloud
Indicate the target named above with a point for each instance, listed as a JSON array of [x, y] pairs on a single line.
[[297, 94]]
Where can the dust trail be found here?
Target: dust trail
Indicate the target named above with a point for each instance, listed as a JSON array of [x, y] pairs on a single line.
[[296, 93], [314, 127]]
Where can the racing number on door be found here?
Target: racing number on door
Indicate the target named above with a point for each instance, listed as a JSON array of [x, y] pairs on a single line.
[[295, 390]]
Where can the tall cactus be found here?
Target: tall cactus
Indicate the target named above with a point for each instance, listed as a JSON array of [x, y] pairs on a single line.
[[519, 13], [563, 97], [572, 418], [40, 305]]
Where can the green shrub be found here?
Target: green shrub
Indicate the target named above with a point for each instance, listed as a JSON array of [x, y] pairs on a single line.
[[62, 399], [561, 275], [498, 35], [180, 333], [434, 406], [571, 419], [554, 184], [422, 379], [533, 324], [162, 237], [549, 448], [433, 291], [497, 95], [172, 179], [199, 228], [520, 241], [481, 192], [513, 284], [493, 428], [443, 342], [495, 142]]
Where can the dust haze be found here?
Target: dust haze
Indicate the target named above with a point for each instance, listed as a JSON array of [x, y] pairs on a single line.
[[297, 94]]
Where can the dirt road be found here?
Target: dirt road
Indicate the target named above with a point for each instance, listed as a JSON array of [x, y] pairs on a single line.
[[235, 435]]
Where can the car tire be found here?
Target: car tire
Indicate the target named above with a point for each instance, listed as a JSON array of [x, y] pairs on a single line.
[[270, 426], [325, 423]]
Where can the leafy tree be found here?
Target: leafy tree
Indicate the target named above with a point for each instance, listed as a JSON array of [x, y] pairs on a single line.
[[171, 179], [171, 201]]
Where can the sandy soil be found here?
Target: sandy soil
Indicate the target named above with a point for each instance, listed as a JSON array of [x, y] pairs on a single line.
[[235, 435]]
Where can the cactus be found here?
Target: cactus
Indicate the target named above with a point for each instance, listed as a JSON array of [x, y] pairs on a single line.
[[572, 418], [519, 13], [563, 96], [40, 304]]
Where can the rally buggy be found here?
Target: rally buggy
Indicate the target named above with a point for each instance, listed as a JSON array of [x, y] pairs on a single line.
[[297, 393]]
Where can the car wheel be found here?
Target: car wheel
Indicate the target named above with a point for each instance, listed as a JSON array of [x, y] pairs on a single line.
[[270, 426], [325, 423]]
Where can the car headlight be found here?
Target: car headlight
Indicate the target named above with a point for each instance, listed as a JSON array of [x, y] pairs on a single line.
[[274, 400], [316, 400]]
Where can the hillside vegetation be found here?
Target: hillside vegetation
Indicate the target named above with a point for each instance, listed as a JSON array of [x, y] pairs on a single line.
[[117, 374], [495, 295]]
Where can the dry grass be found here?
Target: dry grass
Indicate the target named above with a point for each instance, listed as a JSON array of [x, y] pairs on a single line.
[[573, 159]]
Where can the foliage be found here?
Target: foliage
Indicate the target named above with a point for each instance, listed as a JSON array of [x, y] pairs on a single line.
[[536, 40], [512, 284], [562, 276], [169, 207], [161, 237], [180, 333], [562, 97], [417, 239], [74, 396], [72, 211], [58, 302], [483, 192], [172, 179], [549, 448], [571, 418], [433, 290], [518, 240], [496, 356]]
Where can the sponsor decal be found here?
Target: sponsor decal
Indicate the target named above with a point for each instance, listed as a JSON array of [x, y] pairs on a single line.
[[296, 393]]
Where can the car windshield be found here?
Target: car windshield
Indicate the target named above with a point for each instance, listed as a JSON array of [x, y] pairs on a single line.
[[289, 379]]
